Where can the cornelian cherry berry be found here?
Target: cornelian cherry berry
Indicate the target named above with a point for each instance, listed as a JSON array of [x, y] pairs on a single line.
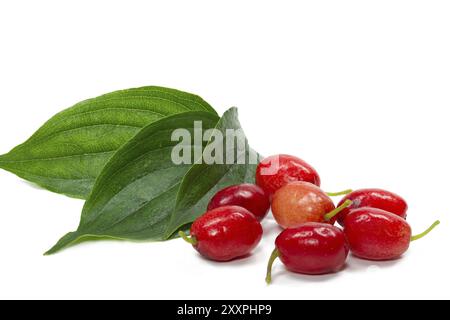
[[374, 198], [300, 202], [313, 248], [276, 171], [225, 233], [376, 234], [248, 196]]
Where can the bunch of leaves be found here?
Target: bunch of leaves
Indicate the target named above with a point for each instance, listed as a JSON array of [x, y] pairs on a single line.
[[116, 151]]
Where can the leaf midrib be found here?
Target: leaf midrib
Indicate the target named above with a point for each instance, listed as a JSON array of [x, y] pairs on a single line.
[[139, 208], [94, 199], [90, 154], [50, 177]]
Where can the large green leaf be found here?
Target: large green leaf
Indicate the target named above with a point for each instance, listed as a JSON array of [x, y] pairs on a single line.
[[68, 152], [142, 195]]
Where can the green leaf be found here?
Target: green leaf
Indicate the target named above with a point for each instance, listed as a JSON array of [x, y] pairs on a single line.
[[67, 153], [202, 181], [142, 195]]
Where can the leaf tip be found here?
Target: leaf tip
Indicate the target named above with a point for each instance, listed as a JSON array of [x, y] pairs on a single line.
[[232, 110], [64, 242]]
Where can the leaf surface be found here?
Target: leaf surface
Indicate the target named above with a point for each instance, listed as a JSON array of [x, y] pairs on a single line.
[[68, 152], [203, 180]]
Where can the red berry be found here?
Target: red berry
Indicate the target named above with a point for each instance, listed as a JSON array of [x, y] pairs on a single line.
[[313, 248], [375, 234], [374, 198], [276, 171], [300, 202], [248, 196], [225, 233]]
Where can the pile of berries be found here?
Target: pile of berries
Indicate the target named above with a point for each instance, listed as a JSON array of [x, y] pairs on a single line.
[[373, 220]]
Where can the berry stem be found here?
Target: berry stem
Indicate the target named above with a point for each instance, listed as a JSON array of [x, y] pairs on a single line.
[[330, 215], [275, 254], [190, 240], [340, 193], [423, 234]]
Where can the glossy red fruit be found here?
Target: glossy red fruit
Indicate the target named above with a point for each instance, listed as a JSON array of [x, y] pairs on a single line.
[[225, 233], [376, 234], [276, 171], [374, 198], [313, 248], [300, 202], [248, 196]]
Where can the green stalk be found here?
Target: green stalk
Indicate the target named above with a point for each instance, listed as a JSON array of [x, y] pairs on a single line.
[[340, 193], [423, 234], [275, 254], [330, 215], [190, 240]]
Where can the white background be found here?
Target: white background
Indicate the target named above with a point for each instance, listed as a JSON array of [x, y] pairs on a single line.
[[359, 89]]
